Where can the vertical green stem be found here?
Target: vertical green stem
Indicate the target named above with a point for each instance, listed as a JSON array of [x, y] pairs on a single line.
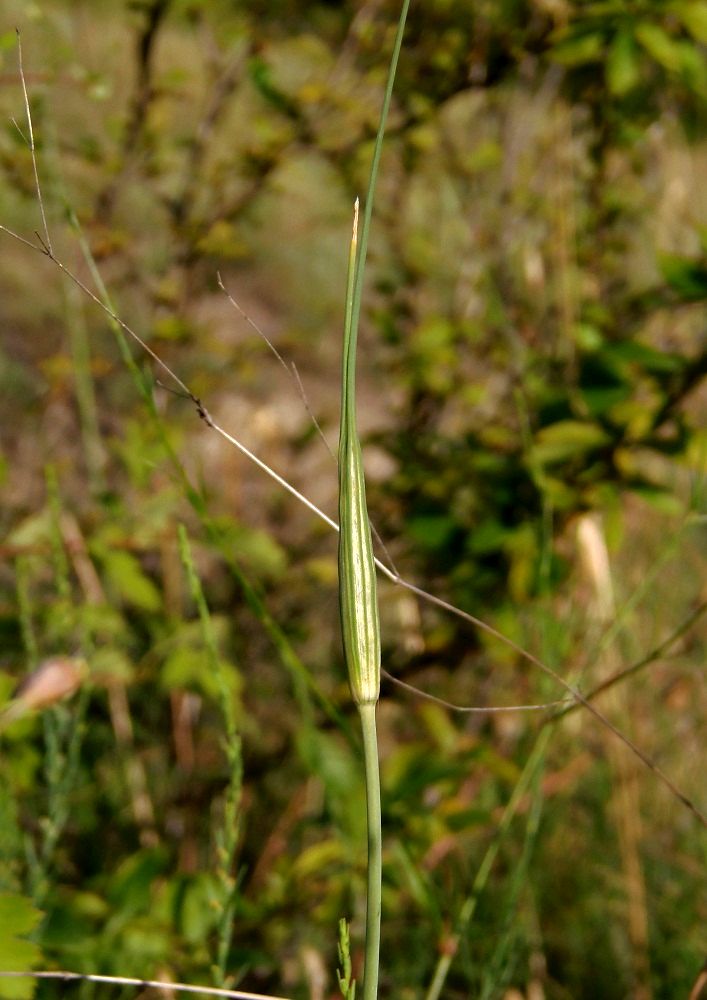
[[357, 575], [373, 176], [367, 713]]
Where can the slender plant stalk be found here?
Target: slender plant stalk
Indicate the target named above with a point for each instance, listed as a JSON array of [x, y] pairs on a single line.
[[63, 732], [367, 714], [373, 176], [25, 612], [228, 836], [358, 599], [347, 984]]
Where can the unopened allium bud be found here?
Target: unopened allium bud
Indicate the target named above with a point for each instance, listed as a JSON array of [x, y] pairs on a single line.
[[358, 599]]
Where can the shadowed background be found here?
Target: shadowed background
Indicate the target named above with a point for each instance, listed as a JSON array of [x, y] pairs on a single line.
[[531, 361]]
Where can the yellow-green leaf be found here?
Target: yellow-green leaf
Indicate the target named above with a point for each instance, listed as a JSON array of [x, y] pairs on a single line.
[[622, 64], [18, 917], [566, 439]]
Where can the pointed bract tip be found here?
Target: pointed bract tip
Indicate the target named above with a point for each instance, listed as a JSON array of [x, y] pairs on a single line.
[[355, 222]]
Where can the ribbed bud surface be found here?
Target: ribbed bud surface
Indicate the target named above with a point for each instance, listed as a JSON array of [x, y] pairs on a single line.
[[358, 599]]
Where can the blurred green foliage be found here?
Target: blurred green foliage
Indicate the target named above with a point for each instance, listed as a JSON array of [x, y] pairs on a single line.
[[533, 349]]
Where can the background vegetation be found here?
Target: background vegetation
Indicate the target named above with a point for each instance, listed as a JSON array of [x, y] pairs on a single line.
[[533, 353]]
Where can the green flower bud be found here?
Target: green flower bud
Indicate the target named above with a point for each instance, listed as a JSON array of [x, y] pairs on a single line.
[[358, 601]]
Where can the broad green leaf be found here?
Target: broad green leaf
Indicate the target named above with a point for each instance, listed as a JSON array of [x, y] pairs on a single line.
[[191, 668], [566, 439], [579, 49], [18, 918], [195, 911], [330, 760], [588, 337], [438, 723], [559, 495], [693, 69], [693, 14], [622, 68], [645, 356], [685, 276], [125, 574], [35, 530], [145, 943], [489, 536], [601, 399], [314, 860], [131, 886], [600, 372], [257, 549], [658, 43], [661, 499], [73, 923], [18, 915]]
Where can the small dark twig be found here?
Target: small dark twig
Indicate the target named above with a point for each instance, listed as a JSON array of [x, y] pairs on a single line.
[[469, 709], [569, 688], [200, 408], [22, 135], [21, 239], [293, 373], [645, 661], [31, 144]]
